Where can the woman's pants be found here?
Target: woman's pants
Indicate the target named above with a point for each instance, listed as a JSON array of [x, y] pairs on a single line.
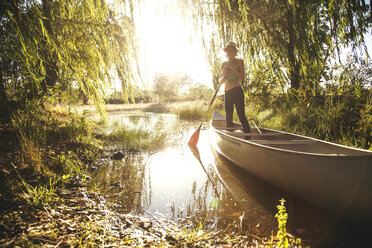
[[235, 96]]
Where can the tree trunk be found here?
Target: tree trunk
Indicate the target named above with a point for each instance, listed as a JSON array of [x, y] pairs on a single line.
[[50, 62], [84, 95], [4, 98], [3, 95]]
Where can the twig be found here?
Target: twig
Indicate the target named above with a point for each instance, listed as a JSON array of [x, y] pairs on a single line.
[[58, 243], [7, 244]]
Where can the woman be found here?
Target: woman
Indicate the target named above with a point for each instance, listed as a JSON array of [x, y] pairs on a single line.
[[232, 73]]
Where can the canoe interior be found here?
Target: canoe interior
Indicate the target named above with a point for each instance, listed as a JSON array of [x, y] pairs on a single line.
[[284, 140]]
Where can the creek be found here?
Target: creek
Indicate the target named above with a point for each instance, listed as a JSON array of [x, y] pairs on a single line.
[[171, 183]]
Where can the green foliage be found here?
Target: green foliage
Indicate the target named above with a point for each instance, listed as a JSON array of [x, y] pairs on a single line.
[[38, 129], [193, 237], [64, 48], [191, 114], [364, 125], [133, 139], [139, 96], [282, 217], [55, 148], [29, 125], [77, 129], [341, 113], [282, 238], [167, 86], [40, 195], [198, 92], [71, 165], [291, 41], [343, 119], [115, 98]]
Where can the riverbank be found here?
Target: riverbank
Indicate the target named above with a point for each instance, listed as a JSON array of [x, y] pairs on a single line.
[[46, 202], [81, 218], [148, 107]]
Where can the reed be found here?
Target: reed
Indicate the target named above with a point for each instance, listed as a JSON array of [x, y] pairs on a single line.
[[133, 139], [191, 114], [336, 119]]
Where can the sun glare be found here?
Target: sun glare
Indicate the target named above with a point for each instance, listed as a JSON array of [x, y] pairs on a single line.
[[168, 44]]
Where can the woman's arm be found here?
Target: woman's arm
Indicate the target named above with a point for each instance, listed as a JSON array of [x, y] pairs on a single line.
[[223, 73]]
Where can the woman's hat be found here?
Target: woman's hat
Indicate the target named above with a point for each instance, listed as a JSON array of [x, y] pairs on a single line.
[[231, 44]]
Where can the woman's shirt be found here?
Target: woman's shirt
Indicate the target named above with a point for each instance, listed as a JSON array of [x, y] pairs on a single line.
[[231, 80]]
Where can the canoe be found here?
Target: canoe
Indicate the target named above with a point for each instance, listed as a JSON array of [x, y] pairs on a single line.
[[335, 177]]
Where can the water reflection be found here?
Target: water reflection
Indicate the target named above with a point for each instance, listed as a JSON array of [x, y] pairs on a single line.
[[168, 181], [123, 183], [193, 187]]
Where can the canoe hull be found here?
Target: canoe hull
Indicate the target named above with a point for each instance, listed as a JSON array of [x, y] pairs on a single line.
[[341, 184]]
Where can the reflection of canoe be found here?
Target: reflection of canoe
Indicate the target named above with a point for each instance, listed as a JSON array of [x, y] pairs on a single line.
[[335, 177]]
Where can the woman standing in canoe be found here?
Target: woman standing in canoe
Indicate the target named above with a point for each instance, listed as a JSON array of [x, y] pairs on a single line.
[[232, 73]]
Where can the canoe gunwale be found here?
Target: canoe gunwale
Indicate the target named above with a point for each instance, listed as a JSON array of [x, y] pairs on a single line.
[[367, 153]]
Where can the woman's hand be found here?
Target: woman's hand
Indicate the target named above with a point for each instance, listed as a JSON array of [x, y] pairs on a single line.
[[228, 66], [222, 79], [226, 69]]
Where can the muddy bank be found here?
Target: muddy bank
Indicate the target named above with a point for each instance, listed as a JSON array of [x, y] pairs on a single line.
[[81, 218]]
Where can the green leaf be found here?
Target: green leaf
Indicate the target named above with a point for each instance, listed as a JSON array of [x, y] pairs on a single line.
[[42, 27], [64, 177]]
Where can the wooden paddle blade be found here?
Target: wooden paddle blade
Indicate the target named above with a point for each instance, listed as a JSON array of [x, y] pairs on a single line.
[[195, 137], [195, 151]]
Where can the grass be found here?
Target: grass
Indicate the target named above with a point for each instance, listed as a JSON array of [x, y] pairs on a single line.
[[191, 114], [39, 195], [133, 139], [198, 110], [340, 121], [51, 149]]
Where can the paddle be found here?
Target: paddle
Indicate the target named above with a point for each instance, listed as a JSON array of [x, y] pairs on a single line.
[[196, 154], [251, 119], [195, 137]]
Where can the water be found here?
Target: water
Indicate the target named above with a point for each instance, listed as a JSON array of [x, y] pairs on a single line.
[[171, 182]]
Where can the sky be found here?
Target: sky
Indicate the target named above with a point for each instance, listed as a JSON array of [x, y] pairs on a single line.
[[170, 45], [369, 42]]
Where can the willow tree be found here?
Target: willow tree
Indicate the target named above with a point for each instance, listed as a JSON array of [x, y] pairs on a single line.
[[293, 39], [54, 47]]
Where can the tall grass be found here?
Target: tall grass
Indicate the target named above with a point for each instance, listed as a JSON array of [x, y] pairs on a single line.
[[198, 110], [54, 147], [31, 134], [193, 113], [133, 139], [39, 130], [342, 119]]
